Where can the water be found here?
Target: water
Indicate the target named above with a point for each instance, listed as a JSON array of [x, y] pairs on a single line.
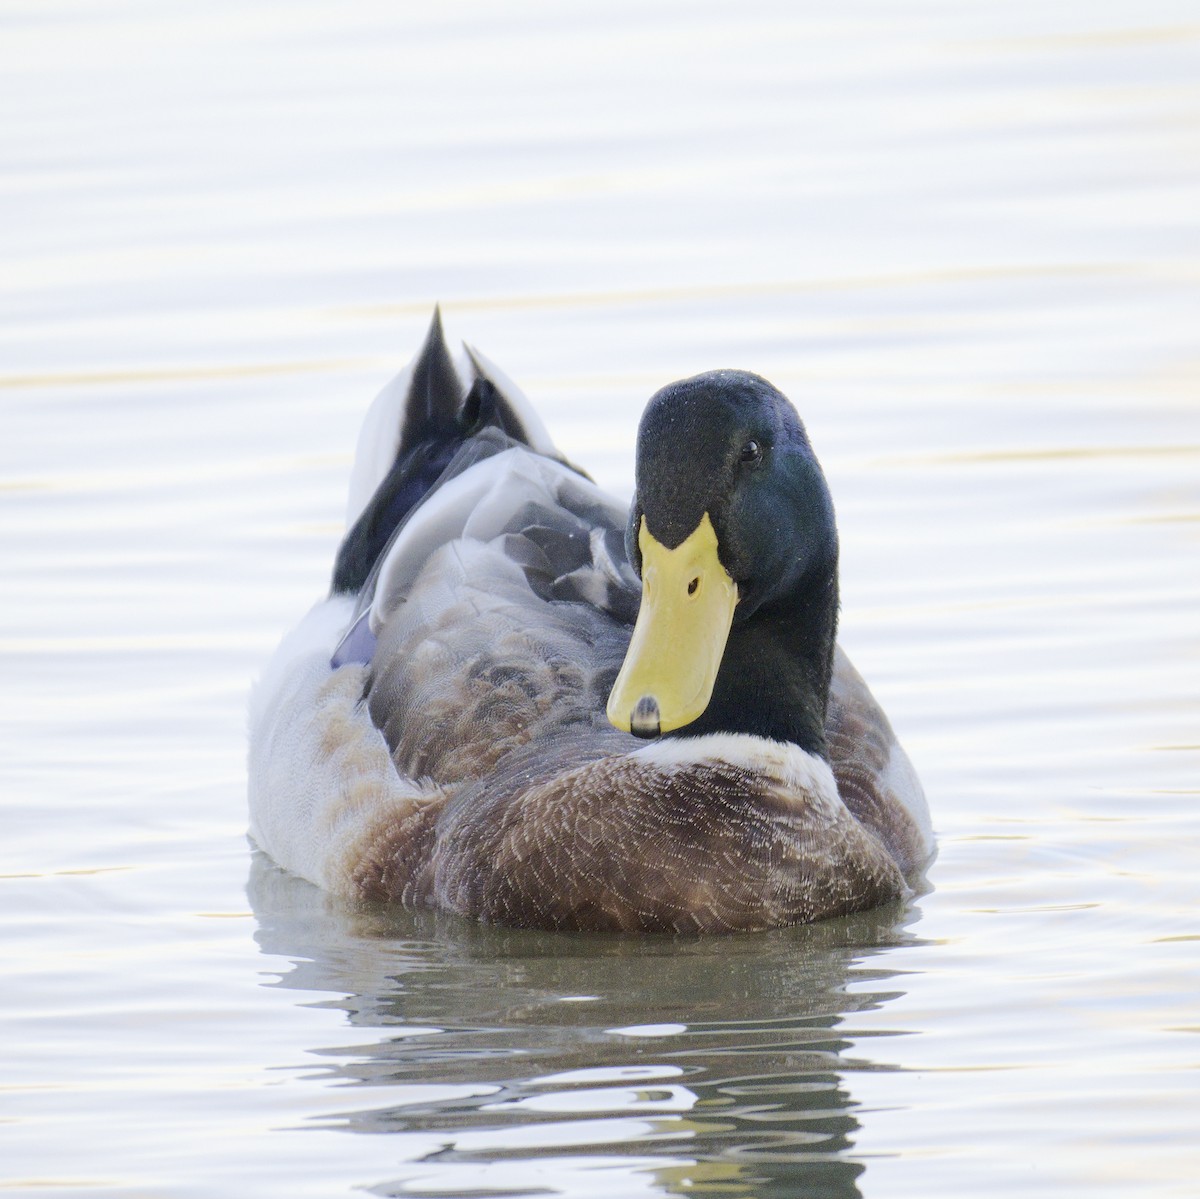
[[964, 238]]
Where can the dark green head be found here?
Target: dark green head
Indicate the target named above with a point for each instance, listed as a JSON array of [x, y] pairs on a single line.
[[732, 531], [729, 444]]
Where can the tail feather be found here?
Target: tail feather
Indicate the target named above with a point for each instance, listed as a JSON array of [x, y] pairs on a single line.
[[511, 411], [434, 393], [413, 430]]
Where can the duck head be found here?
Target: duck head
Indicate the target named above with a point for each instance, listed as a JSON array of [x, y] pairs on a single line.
[[732, 532]]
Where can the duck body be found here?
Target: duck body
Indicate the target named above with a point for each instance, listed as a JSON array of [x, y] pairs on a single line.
[[441, 730]]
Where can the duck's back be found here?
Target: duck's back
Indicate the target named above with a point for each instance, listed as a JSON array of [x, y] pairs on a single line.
[[501, 615]]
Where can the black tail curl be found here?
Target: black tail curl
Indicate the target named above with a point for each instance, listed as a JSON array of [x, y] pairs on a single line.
[[440, 415]]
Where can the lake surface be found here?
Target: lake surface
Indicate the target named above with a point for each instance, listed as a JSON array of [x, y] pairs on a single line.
[[964, 238]]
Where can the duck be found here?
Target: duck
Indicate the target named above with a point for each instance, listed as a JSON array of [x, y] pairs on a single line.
[[527, 703]]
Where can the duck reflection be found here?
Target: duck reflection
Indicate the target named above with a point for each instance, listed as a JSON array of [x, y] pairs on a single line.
[[515, 1062]]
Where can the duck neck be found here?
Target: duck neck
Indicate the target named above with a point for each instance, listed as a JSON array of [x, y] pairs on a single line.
[[775, 674]]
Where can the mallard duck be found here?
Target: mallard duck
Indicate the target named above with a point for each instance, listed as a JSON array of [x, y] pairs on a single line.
[[524, 703]]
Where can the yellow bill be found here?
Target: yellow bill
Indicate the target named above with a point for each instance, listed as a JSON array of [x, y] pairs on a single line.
[[683, 623]]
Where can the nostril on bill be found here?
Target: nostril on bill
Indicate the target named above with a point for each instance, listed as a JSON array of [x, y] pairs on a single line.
[[646, 721]]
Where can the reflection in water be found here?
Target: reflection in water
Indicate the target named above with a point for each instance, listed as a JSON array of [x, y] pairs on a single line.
[[519, 1062]]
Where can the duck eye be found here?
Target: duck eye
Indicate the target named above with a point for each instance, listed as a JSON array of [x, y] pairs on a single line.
[[751, 452]]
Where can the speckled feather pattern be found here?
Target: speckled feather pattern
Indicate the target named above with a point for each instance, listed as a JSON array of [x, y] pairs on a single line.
[[629, 843]]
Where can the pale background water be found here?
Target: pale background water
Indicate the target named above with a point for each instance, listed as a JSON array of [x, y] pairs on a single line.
[[963, 236]]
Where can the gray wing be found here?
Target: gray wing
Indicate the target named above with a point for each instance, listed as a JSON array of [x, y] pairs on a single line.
[[500, 616], [874, 776], [564, 532]]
